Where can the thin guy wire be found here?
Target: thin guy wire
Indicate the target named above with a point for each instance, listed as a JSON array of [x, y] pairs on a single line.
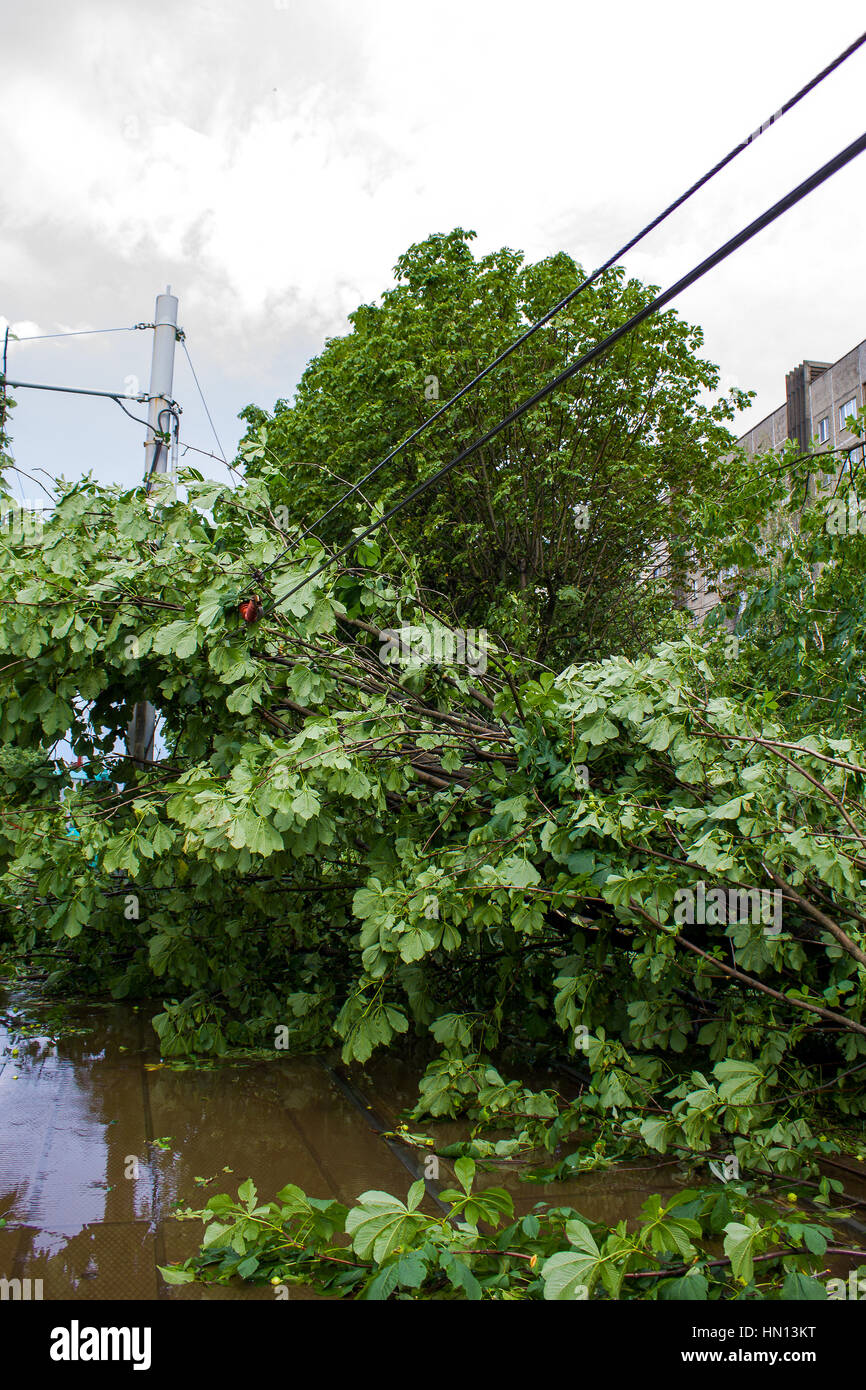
[[204, 402]]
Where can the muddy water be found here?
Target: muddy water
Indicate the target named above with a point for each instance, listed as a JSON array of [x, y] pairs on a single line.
[[86, 1098], [604, 1195], [78, 1113]]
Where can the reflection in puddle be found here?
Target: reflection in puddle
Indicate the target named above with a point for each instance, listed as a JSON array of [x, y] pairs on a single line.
[[100, 1142], [88, 1193]]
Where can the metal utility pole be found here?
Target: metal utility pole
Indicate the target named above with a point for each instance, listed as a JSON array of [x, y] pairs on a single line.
[[159, 417], [142, 726]]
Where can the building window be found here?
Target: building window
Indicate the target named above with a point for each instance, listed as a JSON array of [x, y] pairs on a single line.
[[846, 411], [824, 430]]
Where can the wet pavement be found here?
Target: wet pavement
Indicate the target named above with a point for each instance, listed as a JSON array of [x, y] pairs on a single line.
[[100, 1142], [606, 1194], [79, 1116]]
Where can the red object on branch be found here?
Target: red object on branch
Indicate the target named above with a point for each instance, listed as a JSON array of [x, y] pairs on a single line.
[[250, 609]]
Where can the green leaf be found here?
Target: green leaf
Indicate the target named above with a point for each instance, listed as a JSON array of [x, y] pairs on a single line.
[[464, 1171], [379, 1223], [461, 1275], [411, 1271], [803, 1288], [176, 1276], [247, 1194], [742, 1239], [306, 804], [180, 639], [657, 1132], [740, 1081], [568, 1276], [691, 1287], [214, 1234], [814, 1240], [384, 1284]]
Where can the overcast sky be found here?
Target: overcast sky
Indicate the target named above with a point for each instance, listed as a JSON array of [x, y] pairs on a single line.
[[271, 159]]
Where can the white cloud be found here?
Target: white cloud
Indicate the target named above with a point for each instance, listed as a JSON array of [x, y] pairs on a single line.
[[272, 161]]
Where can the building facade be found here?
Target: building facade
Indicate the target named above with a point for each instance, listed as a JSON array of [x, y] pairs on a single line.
[[821, 399]]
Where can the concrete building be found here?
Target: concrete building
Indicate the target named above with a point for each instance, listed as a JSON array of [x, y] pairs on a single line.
[[821, 398]]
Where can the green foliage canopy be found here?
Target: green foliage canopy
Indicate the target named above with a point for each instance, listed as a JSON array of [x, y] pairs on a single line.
[[630, 439], [338, 845]]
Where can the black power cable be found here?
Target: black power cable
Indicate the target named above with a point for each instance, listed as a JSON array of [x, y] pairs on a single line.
[[585, 284], [766, 218], [159, 441], [137, 418]]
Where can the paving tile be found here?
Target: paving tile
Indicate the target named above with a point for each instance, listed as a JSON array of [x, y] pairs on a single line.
[[275, 1123], [10, 1242], [102, 1261], [91, 1191]]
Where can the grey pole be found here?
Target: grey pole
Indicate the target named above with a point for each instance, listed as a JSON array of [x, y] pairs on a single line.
[[161, 377], [142, 726]]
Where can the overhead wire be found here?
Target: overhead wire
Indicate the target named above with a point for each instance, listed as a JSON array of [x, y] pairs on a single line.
[[579, 289], [733, 244], [117, 396], [173, 409], [582, 361], [203, 401], [137, 418], [78, 333]]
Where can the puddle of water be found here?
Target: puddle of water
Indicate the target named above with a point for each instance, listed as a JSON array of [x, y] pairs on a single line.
[[605, 1195], [76, 1115], [78, 1112]]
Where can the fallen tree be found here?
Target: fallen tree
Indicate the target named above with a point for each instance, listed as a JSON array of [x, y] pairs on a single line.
[[620, 863]]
